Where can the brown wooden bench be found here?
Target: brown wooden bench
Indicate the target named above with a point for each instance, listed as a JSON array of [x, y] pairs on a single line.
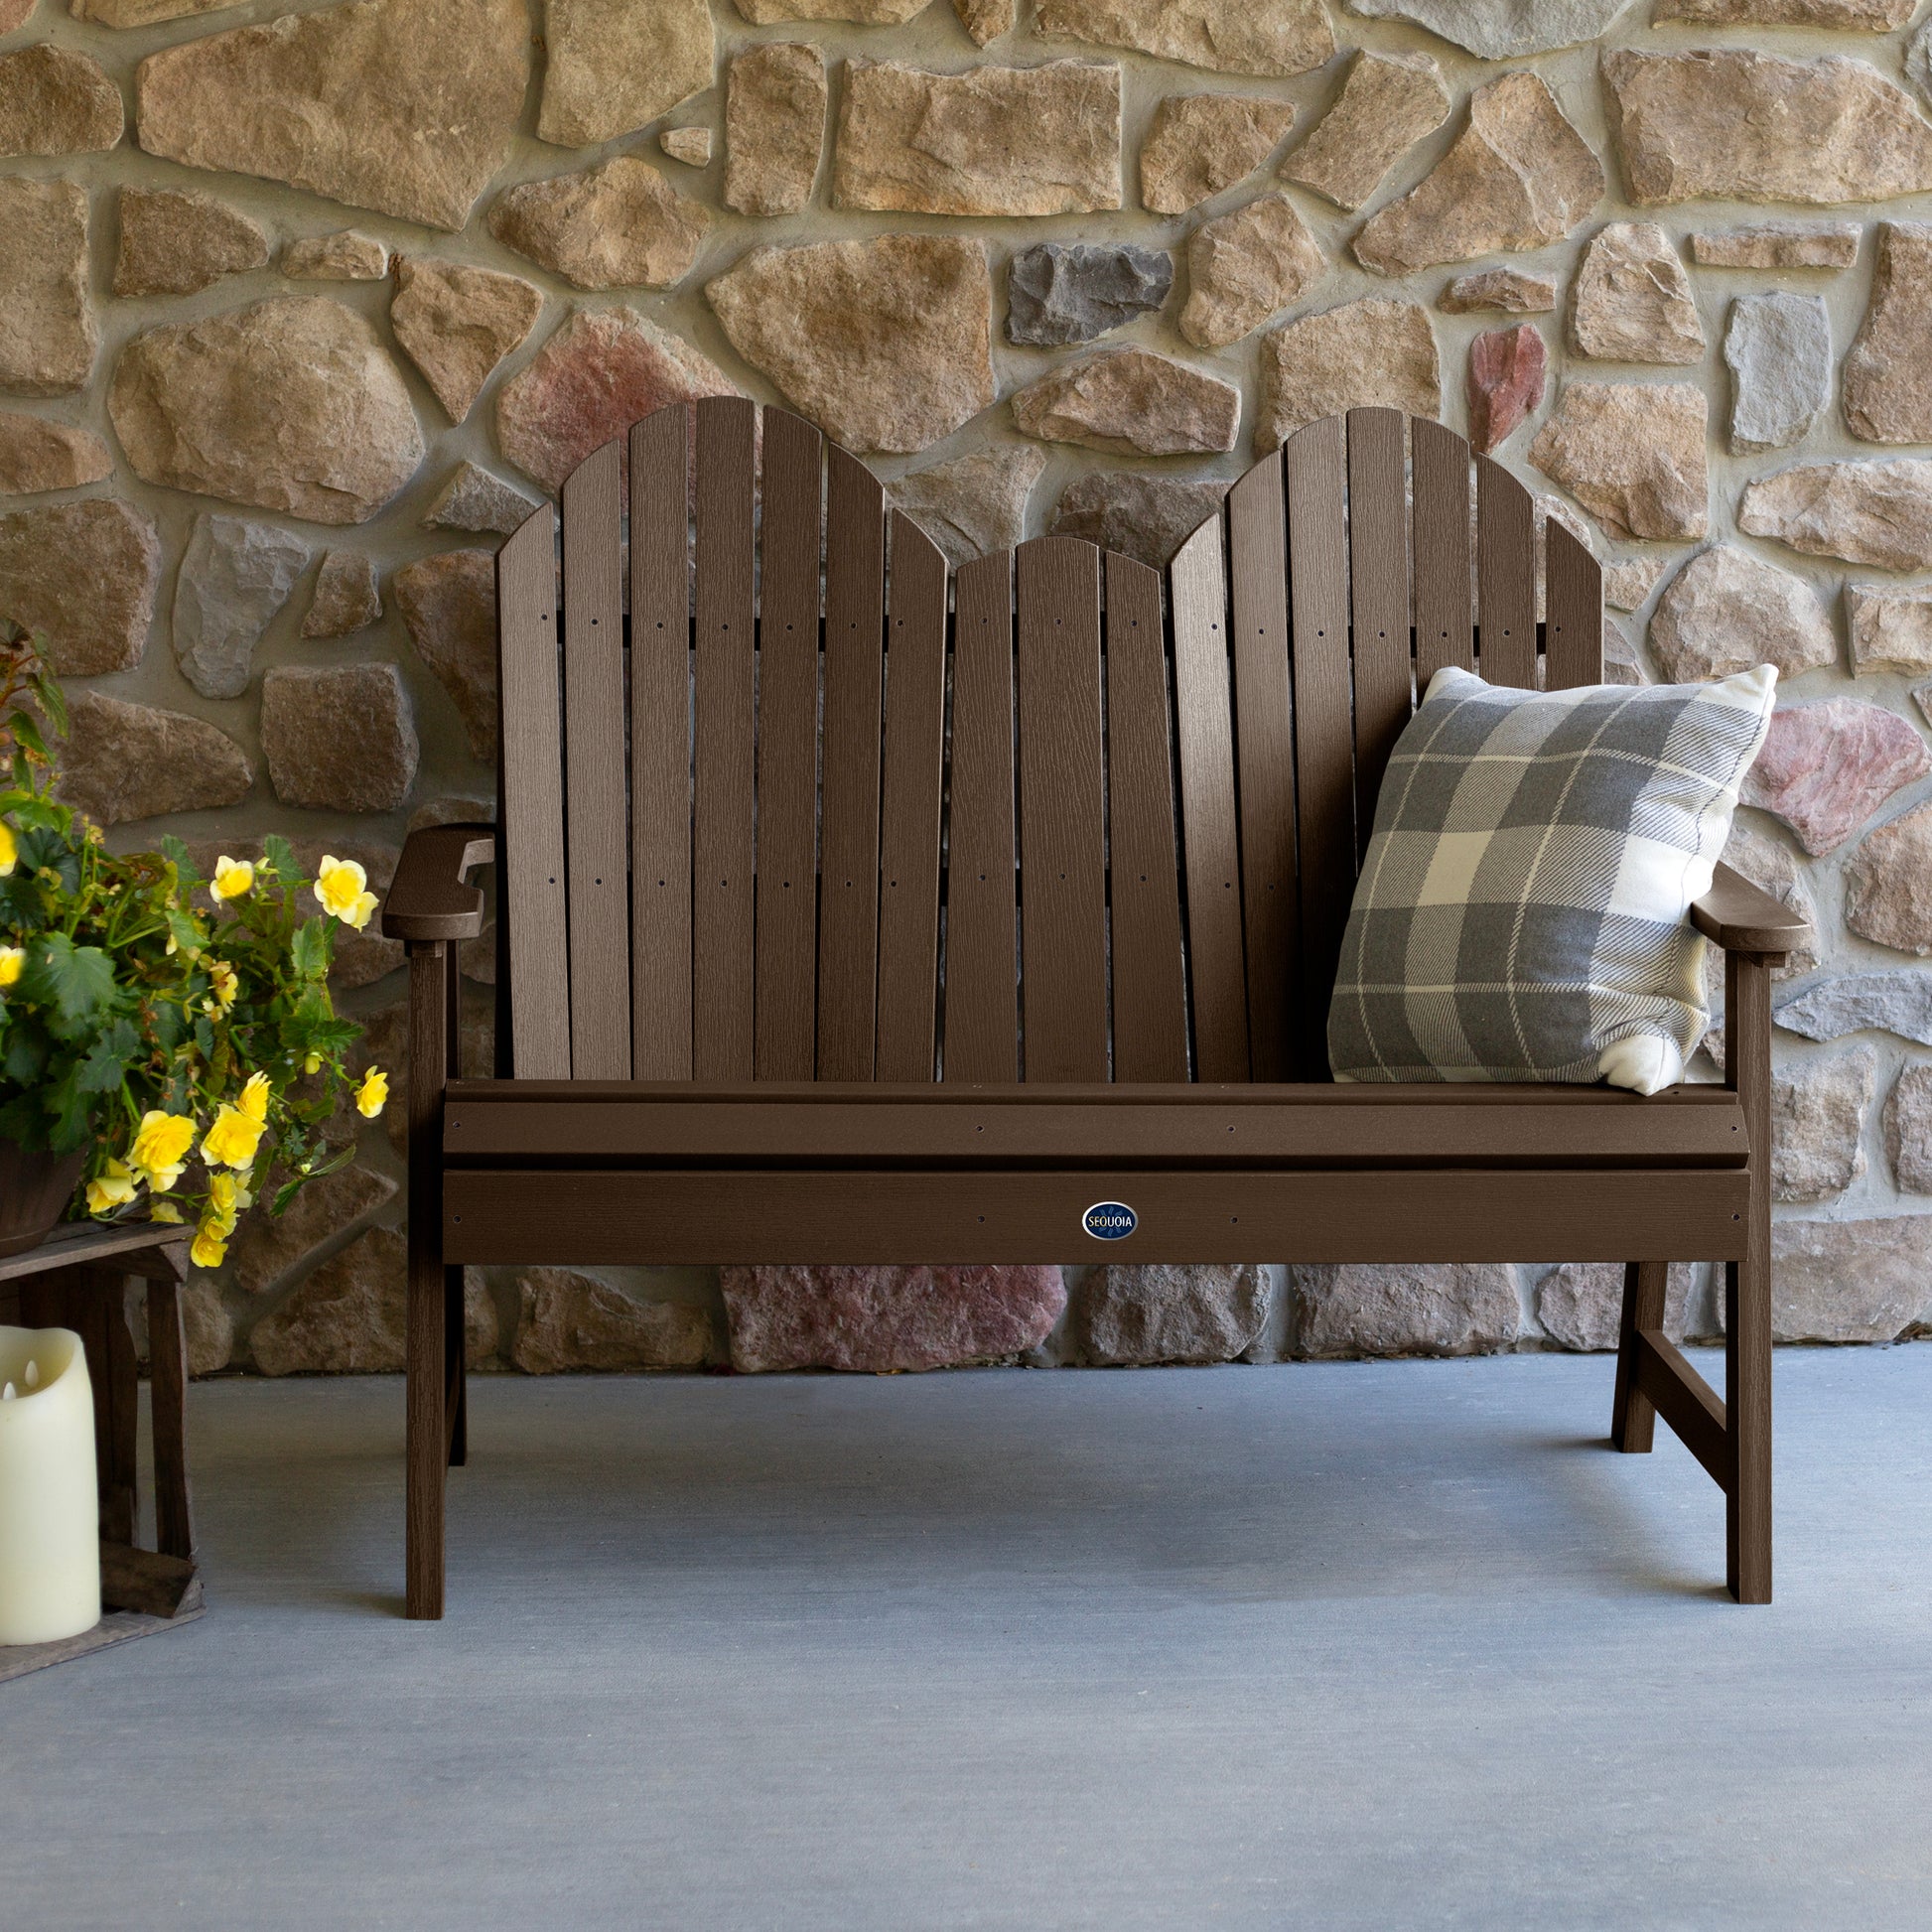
[[844, 919]]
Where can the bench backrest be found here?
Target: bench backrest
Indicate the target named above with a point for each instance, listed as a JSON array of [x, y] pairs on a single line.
[[787, 810]]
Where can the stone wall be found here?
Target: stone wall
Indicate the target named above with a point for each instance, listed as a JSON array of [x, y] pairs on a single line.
[[304, 309]]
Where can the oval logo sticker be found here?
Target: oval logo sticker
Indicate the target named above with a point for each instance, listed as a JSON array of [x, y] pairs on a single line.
[[1110, 1220]]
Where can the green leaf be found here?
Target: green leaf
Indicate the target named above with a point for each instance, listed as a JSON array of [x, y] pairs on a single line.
[[104, 1066], [53, 702], [76, 982], [312, 949], [25, 1056], [27, 733], [280, 855], [289, 1190]]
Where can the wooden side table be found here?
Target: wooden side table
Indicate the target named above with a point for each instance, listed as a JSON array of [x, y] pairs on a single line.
[[78, 1279]]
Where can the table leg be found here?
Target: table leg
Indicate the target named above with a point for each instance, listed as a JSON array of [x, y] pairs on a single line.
[[174, 1532]]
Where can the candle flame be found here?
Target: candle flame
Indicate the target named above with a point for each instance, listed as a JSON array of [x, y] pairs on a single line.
[[7, 1394], [32, 1375]]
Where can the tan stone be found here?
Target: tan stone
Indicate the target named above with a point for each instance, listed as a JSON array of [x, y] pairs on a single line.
[[1818, 1110], [345, 597], [987, 20], [85, 575], [292, 404], [619, 225], [339, 738], [142, 13], [48, 345], [1888, 881], [1455, 1309], [1388, 102], [1505, 290], [994, 140], [868, 13], [457, 325], [1891, 626], [125, 762], [614, 65], [1198, 144], [602, 371], [346, 256], [1908, 1129], [174, 242], [1376, 351], [1831, 245], [1850, 1281], [1138, 515], [1632, 299], [1765, 860], [1867, 16], [207, 1326], [1246, 266], [474, 499], [1280, 36], [1580, 1304], [1518, 176], [1728, 610], [1133, 402], [448, 608], [267, 1246], [406, 107], [569, 1321], [975, 504], [774, 127], [1889, 370], [1733, 125], [13, 13], [690, 145], [1629, 580], [885, 343], [36, 453], [54, 100], [1631, 454], [1168, 1312], [1877, 514]]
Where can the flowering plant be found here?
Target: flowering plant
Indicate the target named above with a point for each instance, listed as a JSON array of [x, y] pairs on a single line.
[[177, 1029]]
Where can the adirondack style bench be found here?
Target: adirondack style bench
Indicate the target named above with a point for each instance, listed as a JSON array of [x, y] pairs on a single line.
[[844, 919]]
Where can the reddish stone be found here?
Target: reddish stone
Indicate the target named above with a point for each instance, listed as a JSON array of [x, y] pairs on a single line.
[[880, 1319], [1827, 767], [1506, 369]]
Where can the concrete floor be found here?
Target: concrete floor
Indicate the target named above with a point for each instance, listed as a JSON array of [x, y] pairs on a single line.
[[1328, 1647]]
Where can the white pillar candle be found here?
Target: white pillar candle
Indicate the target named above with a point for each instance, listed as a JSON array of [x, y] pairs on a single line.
[[49, 1513]]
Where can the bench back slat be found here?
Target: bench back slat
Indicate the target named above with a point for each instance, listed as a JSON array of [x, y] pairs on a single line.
[[1445, 617], [1574, 599], [1505, 577], [1378, 566]]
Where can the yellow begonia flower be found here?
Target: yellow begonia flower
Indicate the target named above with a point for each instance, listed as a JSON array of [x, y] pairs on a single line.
[[160, 1149], [233, 877], [233, 1140], [114, 1187], [211, 1246], [343, 888], [224, 1201], [312, 1063], [222, 988], [9, 851], [13, 962], [254, 1097], [373, 1094], [165, 1210]]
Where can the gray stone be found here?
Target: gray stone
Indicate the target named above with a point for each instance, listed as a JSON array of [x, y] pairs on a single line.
[[1133, 402], [1499, 30], [1388, 102], [175, 240], [972, 505], [339, 738], [1888, 384], [613, 66], [1632, 453], [1918, 59], [1891, 626], [1621, 663], [345, 256], [1877, 514], [1411, 1308], [1867, 16], [207, 1326], [620, 224], [1280, 37], [1899, 1001], [84, 574], [690, 145], [1064, 292], [1632, 299], [1908, 1129], [1733, 125], [48, 345], [405, 106], [475, 500], [1378, 351], [1728, 610], [236, 574], [126, 761], [1888, 881], [1518, 176], [886, 342], [54, 100], [1825, 768], [1821, 244], [448, 608], [569, 1322], [1246, 266], [345, 597], [1778, 348], [994, 140], [774, 127], [291, 404], [1580, 1304], [1629, 581], [1767, 862], [1818, 1110], [1922, 697], [37, 453], [1507, 291], [1198, 144], [1144, 518], [457, 325], [1120, 1316], [267, 1246], [1850, 1281]]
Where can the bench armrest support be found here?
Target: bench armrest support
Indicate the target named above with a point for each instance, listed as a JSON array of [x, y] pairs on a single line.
[[1744, 919], [431, 898]]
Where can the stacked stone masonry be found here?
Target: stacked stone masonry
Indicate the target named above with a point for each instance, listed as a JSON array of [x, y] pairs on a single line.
[[304, 310]]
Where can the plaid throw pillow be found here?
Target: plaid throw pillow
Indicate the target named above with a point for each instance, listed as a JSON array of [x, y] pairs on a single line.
[[1521, 910]]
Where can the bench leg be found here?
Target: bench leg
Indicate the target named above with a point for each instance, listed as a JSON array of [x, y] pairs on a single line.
[[1747, 1290], [1634, 1417], [455, 1375], [428, 1445]]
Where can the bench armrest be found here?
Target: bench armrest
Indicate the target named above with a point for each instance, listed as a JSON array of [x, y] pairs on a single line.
[[1743, 917], [431, 898]]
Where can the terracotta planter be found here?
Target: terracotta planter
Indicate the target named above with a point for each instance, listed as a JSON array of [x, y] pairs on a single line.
[[34, 1194]]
